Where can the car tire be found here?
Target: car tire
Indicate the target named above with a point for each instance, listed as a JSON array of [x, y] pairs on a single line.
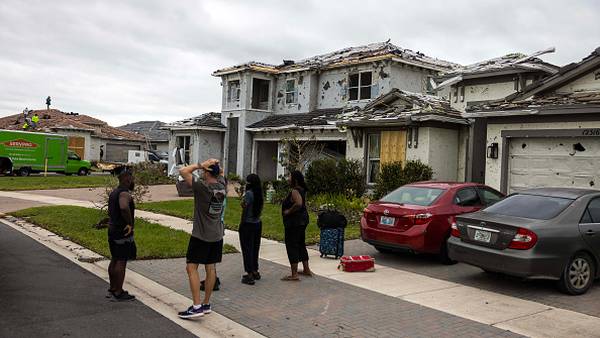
[[578, 275], [24, 172], [82, 172], [383, 249], [444, 258]]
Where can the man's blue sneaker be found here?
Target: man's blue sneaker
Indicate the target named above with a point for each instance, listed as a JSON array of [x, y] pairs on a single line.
[[191, 313], [206, 308]]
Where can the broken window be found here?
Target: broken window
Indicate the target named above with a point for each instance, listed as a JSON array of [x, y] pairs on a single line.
[[455, 94], [462, 94], [260, 94], [373, 157], [183, 142], [291, 91], [360, 86], [233, 91]]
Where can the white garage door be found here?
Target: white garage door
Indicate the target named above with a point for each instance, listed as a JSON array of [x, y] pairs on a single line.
[[119, 152], [554, 162]]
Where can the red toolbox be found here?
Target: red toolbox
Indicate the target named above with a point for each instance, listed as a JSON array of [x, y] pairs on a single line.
[[357, 263]]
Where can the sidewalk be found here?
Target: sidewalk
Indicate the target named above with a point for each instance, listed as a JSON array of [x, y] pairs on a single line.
[[45, 295]]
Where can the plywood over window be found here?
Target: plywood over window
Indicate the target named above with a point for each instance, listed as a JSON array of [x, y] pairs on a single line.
[[393, 146], [77, 145]]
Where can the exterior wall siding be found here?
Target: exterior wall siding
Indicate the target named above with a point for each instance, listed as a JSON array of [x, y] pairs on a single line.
[[588, 82]]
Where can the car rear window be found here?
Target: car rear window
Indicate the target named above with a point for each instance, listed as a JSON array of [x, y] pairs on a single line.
[[530, 206], [413, 195]]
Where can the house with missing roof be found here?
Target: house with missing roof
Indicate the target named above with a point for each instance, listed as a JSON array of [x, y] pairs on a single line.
[[321, 99], [547, 133], [86, 135], [153, 131]]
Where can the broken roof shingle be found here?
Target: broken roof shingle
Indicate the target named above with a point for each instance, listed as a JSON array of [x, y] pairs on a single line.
[[553, 100], [402, 107], [513, 61], [56, 120], [325, 118], [347, 56], [150, 129], [207, 120]]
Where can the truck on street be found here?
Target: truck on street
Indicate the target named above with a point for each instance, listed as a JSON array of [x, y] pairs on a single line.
[[23, 153]]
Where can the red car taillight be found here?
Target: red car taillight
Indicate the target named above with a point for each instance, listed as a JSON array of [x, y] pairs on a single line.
[[419, 219], [369, 216], [524, 239], [454, 232]]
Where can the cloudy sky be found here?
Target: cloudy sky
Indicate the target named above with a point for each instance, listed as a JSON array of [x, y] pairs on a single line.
[[125, 61]]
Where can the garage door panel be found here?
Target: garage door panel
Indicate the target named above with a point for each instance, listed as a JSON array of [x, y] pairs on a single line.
[[556, 162]]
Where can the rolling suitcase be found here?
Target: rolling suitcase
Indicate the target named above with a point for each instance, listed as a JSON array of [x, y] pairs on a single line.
[[332, 242], [357, 263]]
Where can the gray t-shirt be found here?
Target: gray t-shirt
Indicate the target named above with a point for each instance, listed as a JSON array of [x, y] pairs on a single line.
[[248, 215], [208, 206]]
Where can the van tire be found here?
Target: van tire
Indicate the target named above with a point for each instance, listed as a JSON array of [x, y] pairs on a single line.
[[82, 172], [24, 172]]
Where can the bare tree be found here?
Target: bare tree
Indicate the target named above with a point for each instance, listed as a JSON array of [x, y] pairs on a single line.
[[298, 153]]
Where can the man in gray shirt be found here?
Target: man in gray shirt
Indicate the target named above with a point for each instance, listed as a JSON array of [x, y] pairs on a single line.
[[206, 242]]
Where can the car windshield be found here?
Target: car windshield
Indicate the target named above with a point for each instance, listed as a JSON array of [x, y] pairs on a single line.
[[413, 195], [530, 206]]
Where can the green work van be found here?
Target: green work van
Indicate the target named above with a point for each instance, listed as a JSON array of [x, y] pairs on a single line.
[[23, 153]]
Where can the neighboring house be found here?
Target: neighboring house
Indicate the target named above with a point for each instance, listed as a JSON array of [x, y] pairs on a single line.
[[548, 134], [158, 138], [264, 104], [401, 126], [199, 137], [485, 81], [86, 134]]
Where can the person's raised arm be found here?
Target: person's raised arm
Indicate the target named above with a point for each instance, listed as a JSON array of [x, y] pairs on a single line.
[[186, 173], [124, 201]]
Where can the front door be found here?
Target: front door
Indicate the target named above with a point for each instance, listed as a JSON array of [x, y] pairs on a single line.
[[55, 153], [589, 227]]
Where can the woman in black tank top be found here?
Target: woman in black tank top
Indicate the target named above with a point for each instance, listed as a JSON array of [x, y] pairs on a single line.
[[295, 221]]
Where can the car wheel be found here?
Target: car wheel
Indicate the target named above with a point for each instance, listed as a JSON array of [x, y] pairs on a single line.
[[24, 172], [383, 249], [444, 258], [578, 275], [82, 172]]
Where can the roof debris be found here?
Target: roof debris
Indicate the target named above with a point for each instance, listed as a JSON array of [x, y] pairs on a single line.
[[210, 120], [150, 129], [54, 120], [553, 100], [321, 118], [347, 56], [402, 107]]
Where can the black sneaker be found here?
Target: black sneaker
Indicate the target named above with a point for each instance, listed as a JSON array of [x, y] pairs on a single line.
[[247, 279], [215, 288], [256, 275], [109, 294], [123, 296], [191, 313]]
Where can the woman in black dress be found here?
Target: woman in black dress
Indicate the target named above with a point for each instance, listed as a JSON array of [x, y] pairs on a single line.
[[295, 221]]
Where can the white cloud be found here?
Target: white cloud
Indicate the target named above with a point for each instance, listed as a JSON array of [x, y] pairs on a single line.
[[124, 61]]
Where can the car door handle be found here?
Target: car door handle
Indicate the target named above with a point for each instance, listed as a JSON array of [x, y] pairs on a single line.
[[590, 232]]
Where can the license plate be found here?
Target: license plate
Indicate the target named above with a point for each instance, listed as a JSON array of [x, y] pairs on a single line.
[[387, 221], [483, 236]]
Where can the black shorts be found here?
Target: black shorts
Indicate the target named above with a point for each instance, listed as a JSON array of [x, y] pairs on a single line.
[[122, 249], [201, 252]]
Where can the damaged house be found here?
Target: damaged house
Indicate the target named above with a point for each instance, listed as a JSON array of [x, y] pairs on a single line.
[[486, 81], [87, 135], [157, 137], [264, 104], [548, 133]]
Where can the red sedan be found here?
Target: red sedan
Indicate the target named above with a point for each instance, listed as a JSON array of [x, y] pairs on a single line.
[[418, 216]]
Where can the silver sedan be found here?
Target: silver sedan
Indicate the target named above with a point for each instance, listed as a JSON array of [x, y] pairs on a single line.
[[549, 233]]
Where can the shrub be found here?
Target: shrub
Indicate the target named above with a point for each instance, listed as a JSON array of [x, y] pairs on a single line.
[[350, 207], [282, 188], [147, 173], [343, 177], [392, 175]]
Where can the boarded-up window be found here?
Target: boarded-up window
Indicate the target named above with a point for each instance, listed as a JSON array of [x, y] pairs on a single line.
[[393, 146], [77, 145]]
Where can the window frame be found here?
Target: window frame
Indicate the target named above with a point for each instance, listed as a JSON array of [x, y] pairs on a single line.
[[230, 99], [360, 86], [454, 201], [482, 189], [589, 213], [187, 153], [370, 159], [294, 92]]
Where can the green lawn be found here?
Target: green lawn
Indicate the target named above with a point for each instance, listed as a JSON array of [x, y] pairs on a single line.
[[271, 218], [51, 182], [75, 223]]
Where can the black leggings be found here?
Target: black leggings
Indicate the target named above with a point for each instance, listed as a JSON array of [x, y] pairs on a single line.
[[295, 243], [250, 234]]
